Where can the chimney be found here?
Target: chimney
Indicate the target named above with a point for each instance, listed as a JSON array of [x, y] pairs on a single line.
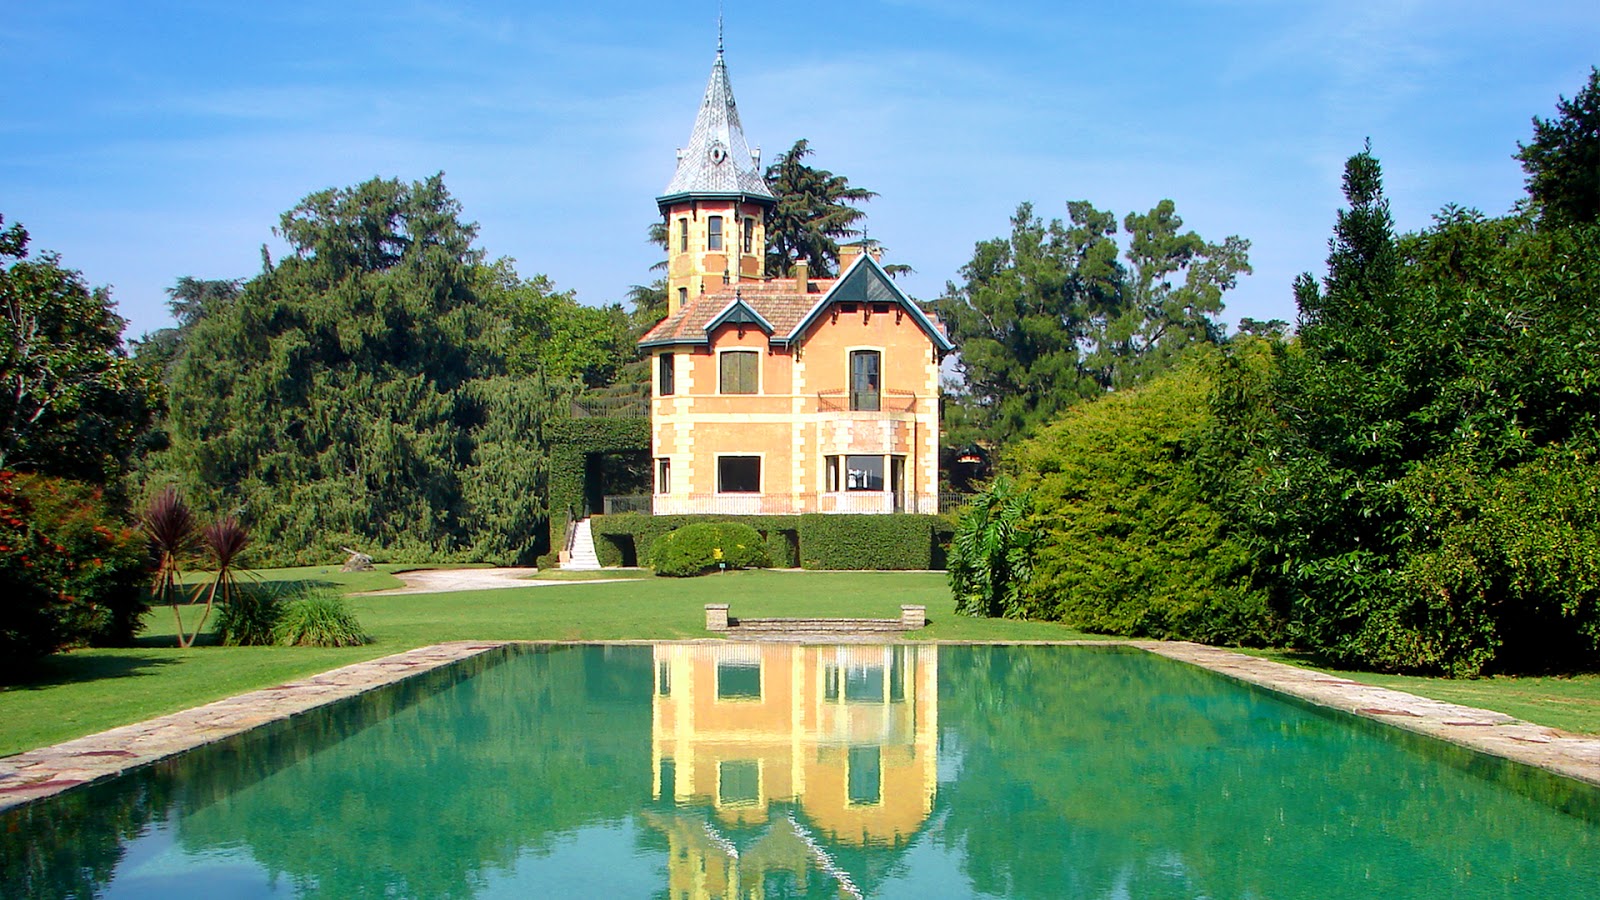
[[802, 276], [847, 255]]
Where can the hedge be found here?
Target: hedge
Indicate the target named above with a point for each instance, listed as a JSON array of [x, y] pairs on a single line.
[[812, 541]]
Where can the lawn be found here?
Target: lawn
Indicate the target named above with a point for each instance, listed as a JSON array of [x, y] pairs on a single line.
[[86, 691]]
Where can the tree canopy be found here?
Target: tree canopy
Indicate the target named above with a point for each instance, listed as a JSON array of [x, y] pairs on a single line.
[[1057, 312], [815, 209], [71, 402], [1563, 160], [384, 386]]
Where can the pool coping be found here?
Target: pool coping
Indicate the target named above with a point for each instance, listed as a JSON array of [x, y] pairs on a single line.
[[35, 775]]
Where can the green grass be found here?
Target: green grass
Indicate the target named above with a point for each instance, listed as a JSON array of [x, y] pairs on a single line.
[[86, 691], [1571, 703]]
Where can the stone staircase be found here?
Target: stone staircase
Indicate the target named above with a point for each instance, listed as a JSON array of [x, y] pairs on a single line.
[[583, 556]]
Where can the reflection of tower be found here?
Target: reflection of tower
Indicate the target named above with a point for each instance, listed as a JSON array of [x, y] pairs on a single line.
[[848, 734]]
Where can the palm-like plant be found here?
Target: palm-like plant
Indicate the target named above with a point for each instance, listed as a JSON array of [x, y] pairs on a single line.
[[169, 525], [224, 541], [991, 556]]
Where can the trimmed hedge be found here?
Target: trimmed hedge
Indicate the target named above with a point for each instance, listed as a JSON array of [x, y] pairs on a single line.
[[867, 542], [706, 547], [813, 541]]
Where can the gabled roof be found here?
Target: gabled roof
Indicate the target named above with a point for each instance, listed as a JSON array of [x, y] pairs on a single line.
[[738, 312], [866, 282], [717, 162], [786, 309]]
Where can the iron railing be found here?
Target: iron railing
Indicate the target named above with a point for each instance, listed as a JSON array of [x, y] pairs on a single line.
[[627, 503], [889, 401]]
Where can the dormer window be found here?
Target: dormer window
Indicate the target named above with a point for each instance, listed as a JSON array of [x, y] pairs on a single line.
[[713, 232]]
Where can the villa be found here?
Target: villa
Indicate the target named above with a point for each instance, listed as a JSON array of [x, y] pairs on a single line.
[[781, 395]]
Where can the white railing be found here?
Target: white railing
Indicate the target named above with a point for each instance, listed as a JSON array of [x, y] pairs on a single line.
[[844, 502]]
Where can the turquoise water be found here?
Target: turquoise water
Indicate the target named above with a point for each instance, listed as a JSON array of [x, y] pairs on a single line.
[[692, 771]]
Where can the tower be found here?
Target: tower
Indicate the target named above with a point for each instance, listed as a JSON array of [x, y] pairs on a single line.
[[716, 204]]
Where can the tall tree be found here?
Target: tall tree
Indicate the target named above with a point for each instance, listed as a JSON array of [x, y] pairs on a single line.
[[355, 392], [1416, 474], [814, 210], [1055, 313], [1563, 162], [71, 403]]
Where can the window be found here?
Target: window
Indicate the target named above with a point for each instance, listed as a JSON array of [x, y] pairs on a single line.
[[667, 382], [738, 681], [683, 297], [853, 473], [663, 475], [739, 782], [714, 233], [663, 680], [738, 474], [749, 235], [683, 235], [864, 394], [740, 372], [865, 768], [863, 473]]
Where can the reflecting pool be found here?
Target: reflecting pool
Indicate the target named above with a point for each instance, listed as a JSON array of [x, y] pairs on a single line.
[[771, 771]]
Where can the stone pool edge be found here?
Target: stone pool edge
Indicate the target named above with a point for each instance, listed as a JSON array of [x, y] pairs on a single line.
[[1574, 756], [45, 772], [35, 775]]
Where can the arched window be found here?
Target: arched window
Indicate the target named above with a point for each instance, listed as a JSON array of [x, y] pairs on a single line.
[[865, 389]]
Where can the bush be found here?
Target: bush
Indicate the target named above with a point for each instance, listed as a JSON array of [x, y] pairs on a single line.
[[867, 542], [250, 615], [1129, 539], [629, 538], [708, 546], [70, 569], [318, 617]]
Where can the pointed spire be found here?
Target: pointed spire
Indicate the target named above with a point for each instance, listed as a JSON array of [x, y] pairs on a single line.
[[717, 161]]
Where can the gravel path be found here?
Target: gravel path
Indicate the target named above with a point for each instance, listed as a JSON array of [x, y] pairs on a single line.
[[439, 581]]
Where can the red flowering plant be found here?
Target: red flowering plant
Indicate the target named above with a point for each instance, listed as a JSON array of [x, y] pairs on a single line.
[[70, 569]]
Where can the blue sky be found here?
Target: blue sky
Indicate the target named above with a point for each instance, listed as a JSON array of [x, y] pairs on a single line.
[[146, 141]]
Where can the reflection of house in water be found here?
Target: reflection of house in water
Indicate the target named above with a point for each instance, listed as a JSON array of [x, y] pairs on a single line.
[[811, 751]]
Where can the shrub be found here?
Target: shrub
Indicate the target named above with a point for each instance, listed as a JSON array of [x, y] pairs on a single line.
[[70, 569], [250, 615], [900, 542], [1130, 541], [318, 617], [700, 548], [991, 556]]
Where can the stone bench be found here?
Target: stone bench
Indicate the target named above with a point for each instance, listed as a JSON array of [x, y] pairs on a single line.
[[911, 618]]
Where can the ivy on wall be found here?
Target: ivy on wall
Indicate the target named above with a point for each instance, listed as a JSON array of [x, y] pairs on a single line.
[[571, 443]]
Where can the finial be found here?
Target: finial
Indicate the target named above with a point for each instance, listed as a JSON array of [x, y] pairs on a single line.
[[719, 27]]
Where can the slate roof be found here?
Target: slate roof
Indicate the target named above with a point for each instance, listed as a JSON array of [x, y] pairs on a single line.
[[717, 160], [786, 307]]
